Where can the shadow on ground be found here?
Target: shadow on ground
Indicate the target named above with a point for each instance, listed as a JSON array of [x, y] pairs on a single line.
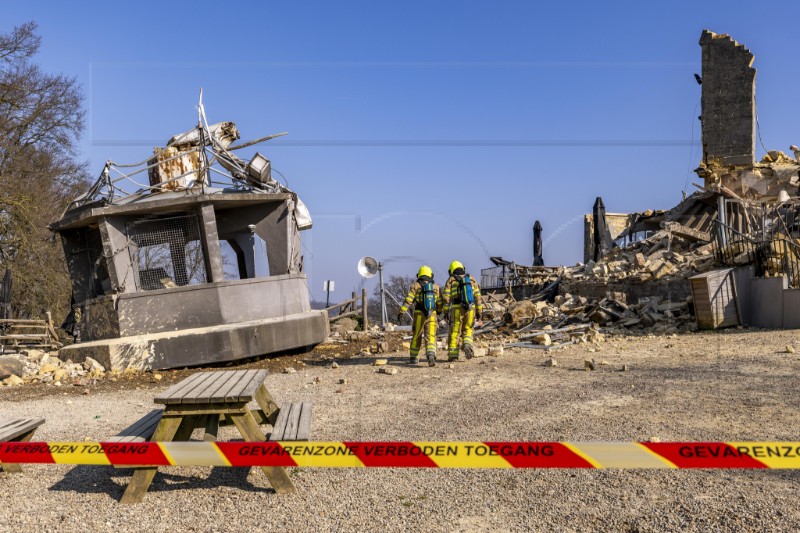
[[112, 481]]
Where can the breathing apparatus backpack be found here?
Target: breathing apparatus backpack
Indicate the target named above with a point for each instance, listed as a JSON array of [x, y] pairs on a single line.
[[465, 293], [428, 297]]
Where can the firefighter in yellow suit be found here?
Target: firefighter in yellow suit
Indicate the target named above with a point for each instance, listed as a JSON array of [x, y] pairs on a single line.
[[427, 300], [461, 314]]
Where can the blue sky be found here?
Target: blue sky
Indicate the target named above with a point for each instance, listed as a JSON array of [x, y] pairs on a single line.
[[438, 130]]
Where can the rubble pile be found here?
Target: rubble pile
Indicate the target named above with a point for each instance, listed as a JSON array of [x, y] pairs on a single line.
[[612, 313], [37, 366], [671, 253], [775, 173], [547, 321], [536, 275]]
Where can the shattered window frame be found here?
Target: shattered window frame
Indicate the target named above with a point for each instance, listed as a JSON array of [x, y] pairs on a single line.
[[152, 245]]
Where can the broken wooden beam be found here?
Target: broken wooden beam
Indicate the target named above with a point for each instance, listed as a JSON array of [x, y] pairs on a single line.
[[538, 346], [685, 232], [577, 327]]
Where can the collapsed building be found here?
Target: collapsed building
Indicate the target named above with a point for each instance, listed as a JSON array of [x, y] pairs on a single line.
[[728, 254], [201, 265]]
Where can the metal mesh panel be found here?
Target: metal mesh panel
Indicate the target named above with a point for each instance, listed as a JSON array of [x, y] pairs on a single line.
[[166, 252], [499, 276]]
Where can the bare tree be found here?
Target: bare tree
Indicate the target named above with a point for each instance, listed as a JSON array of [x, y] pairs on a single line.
[[398, 287], [41, 119]]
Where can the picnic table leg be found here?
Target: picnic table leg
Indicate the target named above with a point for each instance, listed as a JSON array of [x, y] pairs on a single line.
[[267, 403], [15, 468], [142, 477], [277, 475], [188, 425], [212, 428]]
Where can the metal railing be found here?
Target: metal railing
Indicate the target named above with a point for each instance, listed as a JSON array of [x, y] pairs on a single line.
[[499, 277], [778, 255], [732, 248]]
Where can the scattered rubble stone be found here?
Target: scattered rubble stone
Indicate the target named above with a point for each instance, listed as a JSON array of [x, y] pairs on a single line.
[[12, 380], [589, 364], [551, 362], [790, 349], [47, 369], [10, 366], [344, 325], [92, 365], [388, 370], [542, 339], [334, 365], [289, 370], [356, 336], [495, 351], [380, 362]]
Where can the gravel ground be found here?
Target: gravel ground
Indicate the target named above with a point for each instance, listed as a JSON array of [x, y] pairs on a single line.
[[738, 385]]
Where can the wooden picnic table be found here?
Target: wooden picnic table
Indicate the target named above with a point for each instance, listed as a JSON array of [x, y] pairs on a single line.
[[203, 400]]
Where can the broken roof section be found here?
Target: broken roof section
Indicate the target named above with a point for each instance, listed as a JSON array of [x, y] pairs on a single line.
[[201, 161]]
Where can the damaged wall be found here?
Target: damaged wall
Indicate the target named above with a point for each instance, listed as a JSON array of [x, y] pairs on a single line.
[[729, 127], [616, 222], [728, 100]]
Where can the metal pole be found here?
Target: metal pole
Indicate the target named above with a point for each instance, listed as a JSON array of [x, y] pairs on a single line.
[[364, 319], [328, 297], [384, 318], [721, 218]]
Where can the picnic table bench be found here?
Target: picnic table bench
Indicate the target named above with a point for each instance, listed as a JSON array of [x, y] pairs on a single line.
[[17, 430], [208, 400]]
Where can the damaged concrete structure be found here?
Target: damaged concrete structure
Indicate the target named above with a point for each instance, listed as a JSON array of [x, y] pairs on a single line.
[[188, 271], [744, 222], [728, 100], [729, 129]]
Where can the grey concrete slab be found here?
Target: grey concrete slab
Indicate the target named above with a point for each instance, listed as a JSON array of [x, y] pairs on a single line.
[[766, 308], [742, 279], [791, 309], [203, 346]]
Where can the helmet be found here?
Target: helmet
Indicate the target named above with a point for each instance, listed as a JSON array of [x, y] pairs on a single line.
[[454, 266], [425, 270]]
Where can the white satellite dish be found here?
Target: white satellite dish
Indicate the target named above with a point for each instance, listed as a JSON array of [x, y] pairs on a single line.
[[367, 267]]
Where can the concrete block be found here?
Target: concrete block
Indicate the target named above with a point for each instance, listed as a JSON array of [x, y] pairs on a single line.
[[766, 306], [791, 309], [203, 346], [742, 278]]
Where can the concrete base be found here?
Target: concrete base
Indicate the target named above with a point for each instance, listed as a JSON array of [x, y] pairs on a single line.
[[791, 309], [742, 280], [766, 302], [202, 346]]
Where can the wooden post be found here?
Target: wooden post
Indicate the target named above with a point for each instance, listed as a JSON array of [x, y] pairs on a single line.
[[364, 320], [353, 306]]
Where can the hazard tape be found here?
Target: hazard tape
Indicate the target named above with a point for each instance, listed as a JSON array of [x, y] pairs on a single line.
[[784, 455]]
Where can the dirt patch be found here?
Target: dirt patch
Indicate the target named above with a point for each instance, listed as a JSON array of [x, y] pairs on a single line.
[[737, 385]]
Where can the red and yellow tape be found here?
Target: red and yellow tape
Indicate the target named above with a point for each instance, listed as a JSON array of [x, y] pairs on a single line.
[[785, 455]]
